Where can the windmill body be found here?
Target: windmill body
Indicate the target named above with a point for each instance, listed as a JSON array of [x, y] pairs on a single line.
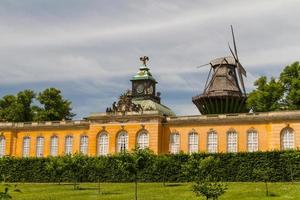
[[224, 91]]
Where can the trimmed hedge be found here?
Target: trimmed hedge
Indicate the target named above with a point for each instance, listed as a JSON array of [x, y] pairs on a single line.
[[170, 168]]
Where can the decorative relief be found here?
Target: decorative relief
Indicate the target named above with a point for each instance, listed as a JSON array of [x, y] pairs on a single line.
[[124, 104]]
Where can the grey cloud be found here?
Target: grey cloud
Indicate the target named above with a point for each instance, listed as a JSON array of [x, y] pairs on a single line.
[[96, 44]]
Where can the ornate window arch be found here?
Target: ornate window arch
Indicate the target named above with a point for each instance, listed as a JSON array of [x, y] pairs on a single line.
[[84, 144], [287, 139], [143, 139], [68, 144], [103, 143], [174, 142], [193, 142], [212, 142], [2, 146], [40, 141], [232, 141], [122, 141], [26, 146], [54, 145], [252, 140]]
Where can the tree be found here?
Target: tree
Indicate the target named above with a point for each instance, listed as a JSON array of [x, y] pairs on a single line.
[[267, 96], [205, 173], [56, 166], [292, 160], [54, 106], [290, 77], [162, 163], [264, 174], [17, 108], [136, 162], [100, 166], [76, 164]]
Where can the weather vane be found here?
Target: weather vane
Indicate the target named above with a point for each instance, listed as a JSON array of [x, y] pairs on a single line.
[[144, 59]]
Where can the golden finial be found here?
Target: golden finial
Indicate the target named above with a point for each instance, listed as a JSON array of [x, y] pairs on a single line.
[[144, 60]]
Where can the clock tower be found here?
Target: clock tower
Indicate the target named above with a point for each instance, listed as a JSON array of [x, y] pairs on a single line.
[[143, 83]]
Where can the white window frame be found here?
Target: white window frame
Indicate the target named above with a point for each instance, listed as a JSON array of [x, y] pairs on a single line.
[[122, 142], [232, 141], [68, 144], [103, 144], [174, 143], [26, 147], [287, 139], [143, 140], [40, 144], [2, 146], [252, 140], [193, 142], [54, 145], [84, 144], [212, 142]]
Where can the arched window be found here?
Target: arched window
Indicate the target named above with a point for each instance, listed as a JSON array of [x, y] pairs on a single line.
[[174, 143], [68, 145], [84, 140], [103, 144], [287, 139], [2, 146], [39, 146], [193, 142], [212, 142], [26, 146], [54, 146], [122, 142], [143, 140], [252, 140], [231, 141]]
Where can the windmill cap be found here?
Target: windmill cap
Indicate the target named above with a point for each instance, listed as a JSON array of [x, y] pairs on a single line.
[[223, 60]]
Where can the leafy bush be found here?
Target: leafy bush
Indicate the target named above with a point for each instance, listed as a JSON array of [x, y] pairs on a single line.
[[162, 168]]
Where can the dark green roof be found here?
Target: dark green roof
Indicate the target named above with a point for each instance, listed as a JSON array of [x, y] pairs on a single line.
[[143, 74], [151, 105]]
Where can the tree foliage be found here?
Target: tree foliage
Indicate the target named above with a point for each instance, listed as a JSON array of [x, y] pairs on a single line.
[[21, 108], [17, 108], [267, 96], [290, 78], [277, 94]]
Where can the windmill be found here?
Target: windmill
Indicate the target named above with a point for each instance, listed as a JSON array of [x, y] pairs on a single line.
[[224, 90]]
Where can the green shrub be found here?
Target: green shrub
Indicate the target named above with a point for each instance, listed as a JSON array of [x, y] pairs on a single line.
[[163, 168]]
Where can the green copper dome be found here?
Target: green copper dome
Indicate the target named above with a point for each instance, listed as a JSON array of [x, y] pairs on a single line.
[[143, 74]]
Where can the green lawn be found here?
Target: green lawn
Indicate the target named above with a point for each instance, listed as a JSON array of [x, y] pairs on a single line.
[[149, 191]]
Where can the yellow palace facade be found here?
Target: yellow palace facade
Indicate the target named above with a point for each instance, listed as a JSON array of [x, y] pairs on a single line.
[[139, 119]]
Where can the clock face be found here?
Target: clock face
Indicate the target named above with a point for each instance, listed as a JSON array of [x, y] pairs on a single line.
[[150, 90], [140, 88]]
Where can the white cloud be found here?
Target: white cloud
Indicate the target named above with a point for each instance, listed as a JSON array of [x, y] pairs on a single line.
[[97, 44]]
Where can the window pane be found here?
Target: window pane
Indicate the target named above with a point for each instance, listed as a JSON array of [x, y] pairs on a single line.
[[69, 145], [2, 146], [26, 147], [54, 146], [84, 144], [143, 140], [287, 139], [193, 142], [252, 141], [122, 142], [39, 147], [103, 144], [174, 143], [232, 142], [212, 142]]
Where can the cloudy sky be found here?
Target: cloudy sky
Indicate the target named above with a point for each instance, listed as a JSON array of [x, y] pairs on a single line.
[[90, 49]]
